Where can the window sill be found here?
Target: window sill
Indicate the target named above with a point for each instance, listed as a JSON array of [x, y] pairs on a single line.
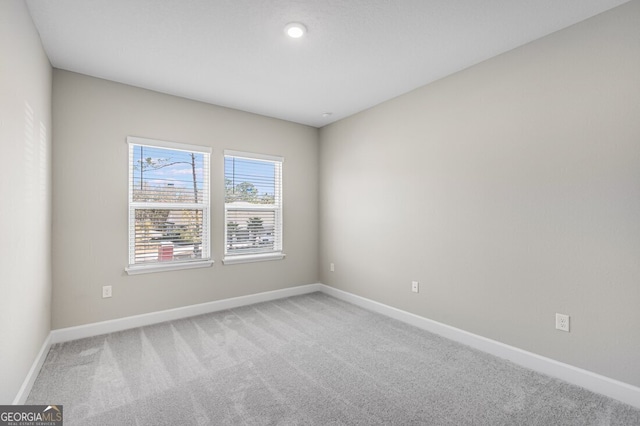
[[164, 267], [248, 258]]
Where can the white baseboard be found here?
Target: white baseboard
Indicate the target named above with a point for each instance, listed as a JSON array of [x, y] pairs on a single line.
[[594, 382], [104, 327], [25, 389], [612, 388]]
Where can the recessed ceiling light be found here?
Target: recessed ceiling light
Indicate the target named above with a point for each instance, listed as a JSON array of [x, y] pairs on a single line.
[[295, 30], [326, 114]]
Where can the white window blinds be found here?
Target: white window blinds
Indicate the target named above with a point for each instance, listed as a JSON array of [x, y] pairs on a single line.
[[168, 203], [253, 204]]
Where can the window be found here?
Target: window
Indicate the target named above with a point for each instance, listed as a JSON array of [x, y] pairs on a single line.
[[253, 207], [168, 206]]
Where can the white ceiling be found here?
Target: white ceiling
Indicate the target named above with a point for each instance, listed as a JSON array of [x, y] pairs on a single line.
[[234, 53]]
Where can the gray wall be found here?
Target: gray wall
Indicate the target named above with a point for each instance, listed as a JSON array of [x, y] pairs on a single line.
[[92, 119], [25, 194], [510, 190]]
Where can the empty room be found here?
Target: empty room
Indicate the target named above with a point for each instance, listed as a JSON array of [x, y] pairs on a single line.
[[320, 212]]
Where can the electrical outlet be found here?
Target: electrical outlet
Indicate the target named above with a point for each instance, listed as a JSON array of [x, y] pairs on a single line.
[[562, 322], [106, 291], [415, 286], [332, 267]]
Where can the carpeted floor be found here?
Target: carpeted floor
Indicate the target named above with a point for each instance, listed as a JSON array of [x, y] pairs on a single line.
[[308, 360]]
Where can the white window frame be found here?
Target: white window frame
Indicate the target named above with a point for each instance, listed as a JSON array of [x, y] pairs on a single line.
[[277, 253], [204, 206]]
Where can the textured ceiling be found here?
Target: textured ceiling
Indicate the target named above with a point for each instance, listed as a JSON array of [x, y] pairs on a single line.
[[234, 53]]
